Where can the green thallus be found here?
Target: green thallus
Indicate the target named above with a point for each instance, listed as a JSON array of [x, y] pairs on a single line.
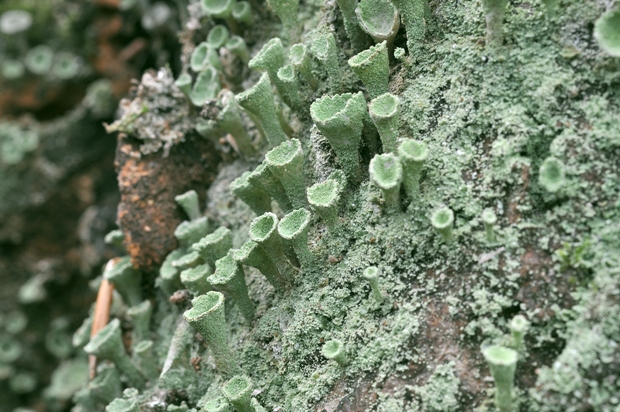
[[372, 66], [238, 391], [489, 218], [230, 278], [412, 155], [108, 344], [340, 120], [140, 316], [325, 50], [258, 102], [294, 229], [125, 279], [219, 404], [552, 174], [371, 274], [187, 261], [300, 59], [443, 220], [385, 114], [503, 363], [387, 173], [324, 198], [380, 19], [256, 198], [334, 350], [286, 162], [195, 279], [215, 245], [263, 178], [189, 202], [66, 65], [189, 232], [207, 317], [106, 386], [123, 405]]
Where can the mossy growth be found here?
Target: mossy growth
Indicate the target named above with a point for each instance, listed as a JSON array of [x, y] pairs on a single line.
[[552, 175], [387, 173], [238, 391], [443, 220], [207, 317], [412, 155], [340, 119], [607, 32], [294, 228], [334, 350], [108, 344], [214, 245], [372, 66], [230, 278], [324, 198], [503, 364], [380, 19], [258, 101], [286, 162], [385, 113]]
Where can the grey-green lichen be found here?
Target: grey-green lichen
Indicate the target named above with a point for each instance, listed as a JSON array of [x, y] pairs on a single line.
[[488, 122]]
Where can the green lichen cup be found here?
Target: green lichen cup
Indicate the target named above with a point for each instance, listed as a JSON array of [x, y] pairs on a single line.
[[324, 198], [607, 32], [386, 173], [385, 113]]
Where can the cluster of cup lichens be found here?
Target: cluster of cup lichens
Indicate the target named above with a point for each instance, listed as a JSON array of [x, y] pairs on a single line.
[[208, 266], [40, 60]]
